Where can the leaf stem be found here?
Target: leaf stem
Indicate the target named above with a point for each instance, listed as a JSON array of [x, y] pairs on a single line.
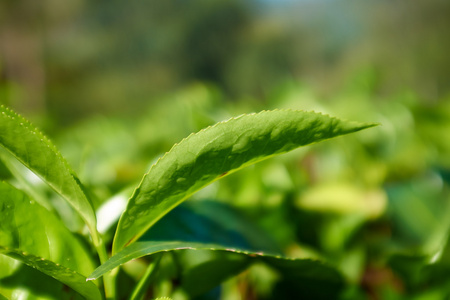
[[145, 281], [108, 279]]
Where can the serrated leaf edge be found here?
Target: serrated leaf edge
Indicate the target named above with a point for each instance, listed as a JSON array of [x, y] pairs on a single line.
[[9, 113], [5, 250], [211, 247], [184, 140], [245, 115]]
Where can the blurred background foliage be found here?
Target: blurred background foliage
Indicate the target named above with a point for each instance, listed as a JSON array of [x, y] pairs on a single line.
[[115, 84]]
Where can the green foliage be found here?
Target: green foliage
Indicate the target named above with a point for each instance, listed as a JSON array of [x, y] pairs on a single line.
[[34, 236], [215, 152], [64, 275], [31, 228], [38, 154]]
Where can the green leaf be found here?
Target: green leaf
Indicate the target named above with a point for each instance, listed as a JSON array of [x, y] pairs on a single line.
[[218, 151], [214, 223], [203, 225], [308, 277], [19, 281], [38, 154], [34, 236], [198, 225], [232, 241], [65, 275], [31, 228], [22, 176], [209, 222], [140, 249]]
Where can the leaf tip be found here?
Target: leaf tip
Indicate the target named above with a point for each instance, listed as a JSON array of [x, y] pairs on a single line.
[[370, 125]]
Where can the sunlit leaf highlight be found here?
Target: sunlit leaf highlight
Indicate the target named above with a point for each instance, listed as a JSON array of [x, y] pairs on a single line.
[[218, 151]]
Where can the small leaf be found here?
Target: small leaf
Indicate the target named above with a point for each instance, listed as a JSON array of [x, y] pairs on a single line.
[[235, 242], [140, 249], [38, 154], [309, 276], [218, 151], [67, 276], [199, 225]]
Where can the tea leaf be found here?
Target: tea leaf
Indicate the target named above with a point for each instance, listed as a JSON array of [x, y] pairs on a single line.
[[65, 275], [143, 248], [218, 151], [210, 222], [200, 225], [37, 153], [19, 281], [310, 276], [28, 227]]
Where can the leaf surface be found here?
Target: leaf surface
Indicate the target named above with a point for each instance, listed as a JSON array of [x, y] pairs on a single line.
[[38, 154], [215, 152]]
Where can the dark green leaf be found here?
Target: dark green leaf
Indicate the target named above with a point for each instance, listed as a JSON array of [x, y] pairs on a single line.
[[140, 249], [210, 222], [205, 225], [197, 225]]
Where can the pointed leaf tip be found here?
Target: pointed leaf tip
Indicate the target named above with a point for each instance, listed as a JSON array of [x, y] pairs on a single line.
[[216, 151]]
